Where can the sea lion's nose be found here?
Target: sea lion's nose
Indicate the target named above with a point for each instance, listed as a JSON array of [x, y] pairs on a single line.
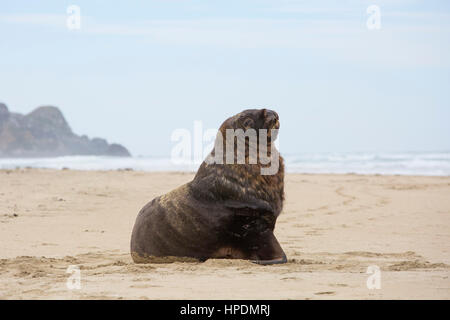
[[276, 115], [272, 119]]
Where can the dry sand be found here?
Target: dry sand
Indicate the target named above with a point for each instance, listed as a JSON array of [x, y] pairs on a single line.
[[332, 228]]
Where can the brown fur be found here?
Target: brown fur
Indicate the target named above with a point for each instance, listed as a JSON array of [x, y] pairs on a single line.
[[227, 211]]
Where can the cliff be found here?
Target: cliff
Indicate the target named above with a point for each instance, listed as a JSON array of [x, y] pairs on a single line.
[[44, 132]]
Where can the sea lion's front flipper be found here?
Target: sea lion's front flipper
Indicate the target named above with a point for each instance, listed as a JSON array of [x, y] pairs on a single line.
[[251, 233], [268, 250]]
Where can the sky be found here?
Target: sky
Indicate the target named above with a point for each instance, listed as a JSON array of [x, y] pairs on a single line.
[[137, 70]]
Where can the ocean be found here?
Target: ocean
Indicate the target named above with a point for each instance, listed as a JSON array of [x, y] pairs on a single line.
[[407, 163]]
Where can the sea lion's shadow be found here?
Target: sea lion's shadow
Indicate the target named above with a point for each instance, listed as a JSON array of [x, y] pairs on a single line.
[[174, 259]]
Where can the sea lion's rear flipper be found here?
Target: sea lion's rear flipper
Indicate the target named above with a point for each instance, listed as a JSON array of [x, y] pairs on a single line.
[[268, 250]]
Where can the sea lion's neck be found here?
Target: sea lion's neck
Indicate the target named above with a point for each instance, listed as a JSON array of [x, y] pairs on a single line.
[[239, 182]]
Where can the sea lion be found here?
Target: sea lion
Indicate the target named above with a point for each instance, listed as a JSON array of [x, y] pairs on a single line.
[[226, 211]]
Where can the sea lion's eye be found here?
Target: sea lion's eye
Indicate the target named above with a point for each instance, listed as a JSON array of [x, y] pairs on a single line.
[[248, 123]]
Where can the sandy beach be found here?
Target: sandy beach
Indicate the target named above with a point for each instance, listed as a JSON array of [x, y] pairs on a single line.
[[333, 227]]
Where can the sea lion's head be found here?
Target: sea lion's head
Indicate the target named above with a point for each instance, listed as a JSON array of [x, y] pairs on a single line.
[[247, 138], [243, 167], [253, 119]]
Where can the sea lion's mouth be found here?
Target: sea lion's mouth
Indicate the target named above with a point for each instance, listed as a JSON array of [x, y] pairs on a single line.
[[272, 125], [276, 125]]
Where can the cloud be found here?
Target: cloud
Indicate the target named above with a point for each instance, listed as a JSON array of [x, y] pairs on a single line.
[[396, 44], [42, 19]]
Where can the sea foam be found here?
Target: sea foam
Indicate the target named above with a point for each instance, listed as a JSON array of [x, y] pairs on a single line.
[[408, 163]]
